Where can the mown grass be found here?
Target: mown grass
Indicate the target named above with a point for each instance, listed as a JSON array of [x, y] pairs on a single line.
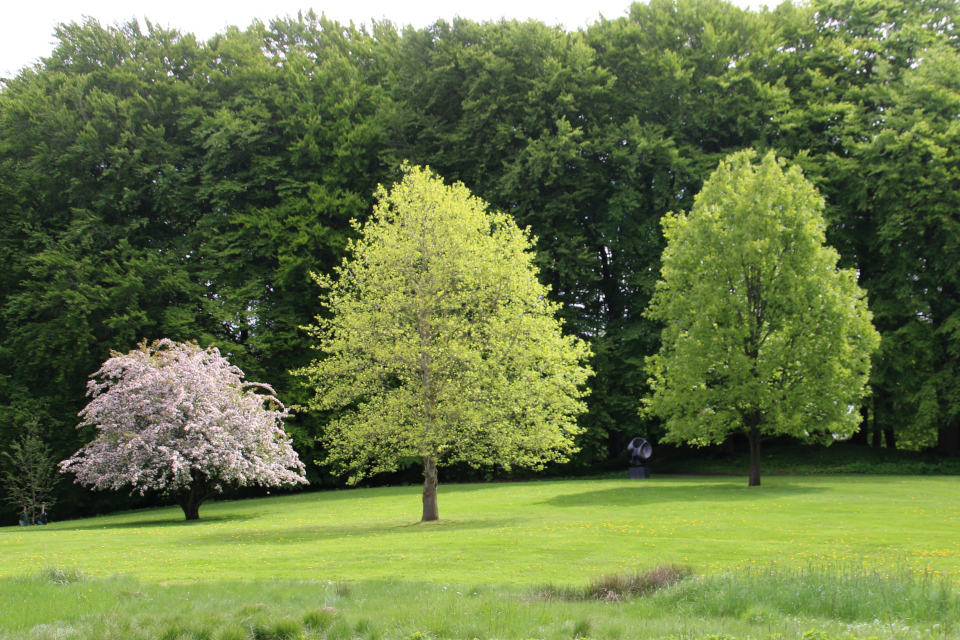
[[669, 557], [564, 532], [777, 603]]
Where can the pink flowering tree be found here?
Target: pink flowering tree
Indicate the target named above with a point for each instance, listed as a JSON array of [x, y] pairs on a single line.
[[181, 420]]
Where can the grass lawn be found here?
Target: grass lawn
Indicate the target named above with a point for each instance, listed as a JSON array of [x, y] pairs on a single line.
[[563, 532], [276, 558]]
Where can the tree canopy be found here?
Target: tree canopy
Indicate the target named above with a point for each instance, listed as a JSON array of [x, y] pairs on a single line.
[[439, 343], [763, 333], [156, 185]]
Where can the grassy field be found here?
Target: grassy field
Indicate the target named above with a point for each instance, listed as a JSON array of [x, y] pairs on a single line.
[[861, 555], [516, 533]]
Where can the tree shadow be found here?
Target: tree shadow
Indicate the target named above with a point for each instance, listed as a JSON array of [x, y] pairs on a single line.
[[644, 493], [403, 490], [369, 532], [162, 522]]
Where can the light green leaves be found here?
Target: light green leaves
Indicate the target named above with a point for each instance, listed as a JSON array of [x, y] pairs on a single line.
[[439, 341], [762, 332]]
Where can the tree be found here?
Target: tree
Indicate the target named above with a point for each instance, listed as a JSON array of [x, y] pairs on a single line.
[[31, 475], [763, 333], [441, 345], [181, 420], [905, 173]]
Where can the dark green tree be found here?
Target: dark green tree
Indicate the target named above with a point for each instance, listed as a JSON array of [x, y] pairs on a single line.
[[31, 474], [100, 196], [907, 176]]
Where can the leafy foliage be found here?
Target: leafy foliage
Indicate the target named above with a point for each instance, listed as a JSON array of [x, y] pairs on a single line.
[[440, 343], [155, 185], [181, 420], [763, 334], [31, 475]]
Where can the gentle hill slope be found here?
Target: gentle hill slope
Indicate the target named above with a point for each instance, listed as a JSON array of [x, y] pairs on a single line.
[[565, 532]]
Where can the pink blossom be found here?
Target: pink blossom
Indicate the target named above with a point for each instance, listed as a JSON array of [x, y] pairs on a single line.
[[181, 420]]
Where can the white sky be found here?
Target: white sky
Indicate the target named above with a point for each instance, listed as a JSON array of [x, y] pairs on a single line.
[[26, 27]]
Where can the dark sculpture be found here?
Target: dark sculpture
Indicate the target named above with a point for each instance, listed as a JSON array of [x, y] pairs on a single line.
[[639, 451]]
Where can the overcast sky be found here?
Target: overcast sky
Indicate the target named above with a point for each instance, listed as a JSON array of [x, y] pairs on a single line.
[[26, 26]]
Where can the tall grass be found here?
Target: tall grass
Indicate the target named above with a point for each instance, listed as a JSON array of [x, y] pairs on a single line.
[[849, 593], [784, 603]]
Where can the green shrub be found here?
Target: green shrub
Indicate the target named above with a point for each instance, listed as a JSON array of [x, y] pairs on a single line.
[[582, 628]]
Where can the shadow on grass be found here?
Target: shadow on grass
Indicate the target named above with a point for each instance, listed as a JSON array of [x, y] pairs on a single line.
[[164, 522], [320, 533], [643, 494], [406, 491]]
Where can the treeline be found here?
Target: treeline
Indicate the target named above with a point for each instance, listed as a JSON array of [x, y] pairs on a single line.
[[153, 185]]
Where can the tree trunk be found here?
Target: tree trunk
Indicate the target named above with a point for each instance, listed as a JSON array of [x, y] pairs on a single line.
[[890, 438], [192, 497], [948, 439], [860, 435], [877, 431], [753, 435], [430, 510]]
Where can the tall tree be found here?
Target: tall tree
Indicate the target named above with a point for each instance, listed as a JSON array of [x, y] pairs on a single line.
[[844, 62], [292, 142], [556, 129], [155, 186], [100, 197], [907, 176], [440, 343], [763, 333]]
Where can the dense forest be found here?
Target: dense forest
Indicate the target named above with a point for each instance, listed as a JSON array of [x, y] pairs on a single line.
[[157, 186]]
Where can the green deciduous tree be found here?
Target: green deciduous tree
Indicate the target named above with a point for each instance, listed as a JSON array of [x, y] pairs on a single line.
[[906, 175], [31, 474], [440, 343], [763, 333]]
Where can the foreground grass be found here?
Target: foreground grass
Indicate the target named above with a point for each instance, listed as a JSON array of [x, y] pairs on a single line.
[[779, 603], [564, 532]]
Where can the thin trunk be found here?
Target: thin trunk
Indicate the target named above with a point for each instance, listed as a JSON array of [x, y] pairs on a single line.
[[890, 438], [615, 441], [430, 510], [948, 439], [860, 435], [753, 435], [877, 431]]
